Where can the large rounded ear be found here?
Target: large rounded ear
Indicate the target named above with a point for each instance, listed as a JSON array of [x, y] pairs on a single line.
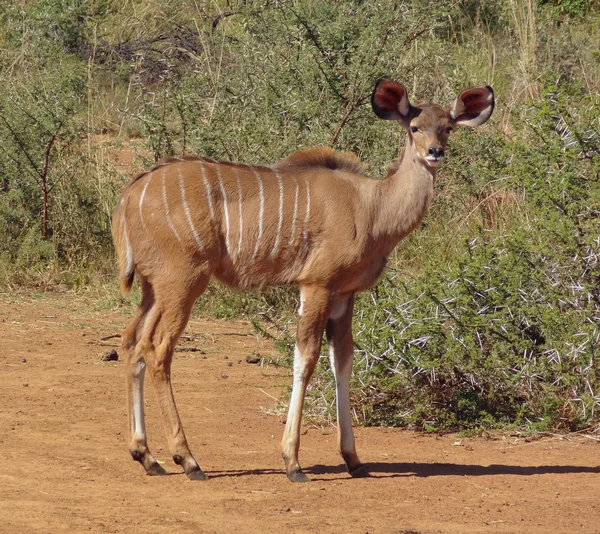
[[473, 106], [390, 100]]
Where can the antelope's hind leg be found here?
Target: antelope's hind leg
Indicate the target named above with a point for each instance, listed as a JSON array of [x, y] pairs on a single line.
[[135, 368], [173, 306], [149, 342]]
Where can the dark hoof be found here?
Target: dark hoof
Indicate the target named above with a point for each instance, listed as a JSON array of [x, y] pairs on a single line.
[[297, 476], [359, 472], [197, 475], [156, 470], [137, 456]]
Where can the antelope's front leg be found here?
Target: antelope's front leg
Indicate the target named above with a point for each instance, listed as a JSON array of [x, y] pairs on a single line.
[[311, 323], [341, 356]]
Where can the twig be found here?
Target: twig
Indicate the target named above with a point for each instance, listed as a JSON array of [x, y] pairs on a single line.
[[351, 108], [106, 338], [190, 337], [220, 17], [269, 395], [44, 180]]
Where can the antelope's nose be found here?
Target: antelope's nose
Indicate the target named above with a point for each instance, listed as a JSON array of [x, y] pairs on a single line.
[[436, 152]]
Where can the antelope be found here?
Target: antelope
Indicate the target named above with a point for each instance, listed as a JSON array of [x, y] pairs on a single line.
[[314, 220]]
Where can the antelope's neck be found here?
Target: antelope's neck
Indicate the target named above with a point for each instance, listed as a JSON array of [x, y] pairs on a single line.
[[404, 199]]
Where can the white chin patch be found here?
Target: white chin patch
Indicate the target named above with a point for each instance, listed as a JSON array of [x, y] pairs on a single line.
[[433, 162]]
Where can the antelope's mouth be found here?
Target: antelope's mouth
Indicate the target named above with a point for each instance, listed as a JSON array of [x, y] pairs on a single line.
[[434, 161]]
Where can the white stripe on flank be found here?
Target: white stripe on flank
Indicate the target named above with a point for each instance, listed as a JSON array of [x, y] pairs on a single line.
[[261, 210], [208, 193], [164, 195], [280, 220], [307, 216], [187, 209], [239, 184], [295, 211], [128, 249], [222, 186], [142, 201]]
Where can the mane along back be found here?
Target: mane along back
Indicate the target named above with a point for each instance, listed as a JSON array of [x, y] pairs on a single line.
[[323, 157]]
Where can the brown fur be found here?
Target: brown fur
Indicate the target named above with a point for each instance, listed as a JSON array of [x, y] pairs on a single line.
[[313, 220]]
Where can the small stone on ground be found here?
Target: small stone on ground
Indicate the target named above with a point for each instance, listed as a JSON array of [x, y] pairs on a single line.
[[111, 356]]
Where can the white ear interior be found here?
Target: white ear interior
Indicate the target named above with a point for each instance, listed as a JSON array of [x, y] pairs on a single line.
[[404, 105], [473, 107]]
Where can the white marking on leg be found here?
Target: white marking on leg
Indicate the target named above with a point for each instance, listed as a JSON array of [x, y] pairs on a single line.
[[296, 399], [225, 209], [261, 211], [338, 308], [342, 393], [142, 196], [280, 214], [301, 304], [139, 427], [295, 210], [299, 365], [241, 230], [186, 209], [164, 196]]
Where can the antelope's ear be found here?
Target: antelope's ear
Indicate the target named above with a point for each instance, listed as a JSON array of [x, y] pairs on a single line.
[[390, 100], [473, 107]]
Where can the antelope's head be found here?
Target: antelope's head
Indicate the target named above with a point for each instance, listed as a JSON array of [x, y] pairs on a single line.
[[429, 125]]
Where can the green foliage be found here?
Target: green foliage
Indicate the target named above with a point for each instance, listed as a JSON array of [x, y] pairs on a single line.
[[37, 129], [310, 89], [578, 8]]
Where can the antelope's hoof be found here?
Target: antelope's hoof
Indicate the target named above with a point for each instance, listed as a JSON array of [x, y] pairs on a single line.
[[197, 474], [297, 476], [156, 470], [359, 472]]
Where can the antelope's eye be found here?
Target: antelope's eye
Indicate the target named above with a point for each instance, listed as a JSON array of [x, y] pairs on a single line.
[[414, 129]]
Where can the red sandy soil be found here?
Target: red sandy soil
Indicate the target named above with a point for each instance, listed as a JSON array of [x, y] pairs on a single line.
[[66, 468]]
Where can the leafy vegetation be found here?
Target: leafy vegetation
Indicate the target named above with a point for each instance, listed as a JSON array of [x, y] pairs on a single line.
[[488, 314]]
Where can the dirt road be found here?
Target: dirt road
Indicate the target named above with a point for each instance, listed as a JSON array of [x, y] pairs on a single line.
[[65, 465]]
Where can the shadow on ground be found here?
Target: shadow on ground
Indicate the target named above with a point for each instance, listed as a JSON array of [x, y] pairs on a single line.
[[401, 469], [449, 469]]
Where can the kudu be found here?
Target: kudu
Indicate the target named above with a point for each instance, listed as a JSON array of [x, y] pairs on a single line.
[[314, 220]]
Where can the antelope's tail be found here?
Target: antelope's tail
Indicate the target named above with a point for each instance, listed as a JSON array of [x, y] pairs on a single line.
[[123, 247]]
